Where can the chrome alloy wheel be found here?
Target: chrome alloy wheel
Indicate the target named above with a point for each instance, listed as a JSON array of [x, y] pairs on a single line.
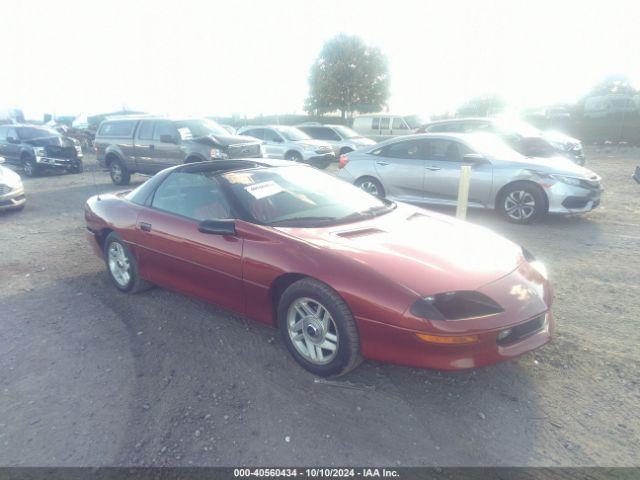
[[119, 265], [519, 205], [370, 187], [312, 330]]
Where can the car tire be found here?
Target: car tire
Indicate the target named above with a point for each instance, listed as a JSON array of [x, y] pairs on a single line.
[[345, 150], [122, 266], [119, 173], [322, 164], [30, 167], [293, 156], [371, 186], [522, 203], [304, 335]]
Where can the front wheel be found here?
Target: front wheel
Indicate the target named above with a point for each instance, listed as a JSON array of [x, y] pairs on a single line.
[[293, 157], [122, 266], [30, 167], [119, 173], [522, 203], [318, 328], [77, 168]]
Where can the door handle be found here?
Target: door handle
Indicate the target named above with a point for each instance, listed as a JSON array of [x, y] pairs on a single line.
[[382, 164], [146, 227], [433, 169]]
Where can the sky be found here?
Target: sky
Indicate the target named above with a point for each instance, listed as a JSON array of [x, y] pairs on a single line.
[[253, 57]]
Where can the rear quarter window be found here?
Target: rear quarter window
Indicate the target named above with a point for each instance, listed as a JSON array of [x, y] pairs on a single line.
[[117, 129]]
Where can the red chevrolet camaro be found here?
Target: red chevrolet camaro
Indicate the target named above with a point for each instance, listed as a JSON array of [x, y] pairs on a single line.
[[342, 274]]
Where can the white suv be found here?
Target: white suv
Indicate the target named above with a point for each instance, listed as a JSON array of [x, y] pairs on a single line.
[[341, 138], [291, 143]]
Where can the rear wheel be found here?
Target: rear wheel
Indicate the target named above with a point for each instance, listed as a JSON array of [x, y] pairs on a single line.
[[122, 266], [119, 173], [522, 203], [318, 328], [372, 186]]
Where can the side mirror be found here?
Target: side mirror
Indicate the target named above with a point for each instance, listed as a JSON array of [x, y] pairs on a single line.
[[218, 227], [475, 158], [166, 138]]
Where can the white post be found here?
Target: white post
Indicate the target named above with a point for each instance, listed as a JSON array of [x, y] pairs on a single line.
[[463, 192]]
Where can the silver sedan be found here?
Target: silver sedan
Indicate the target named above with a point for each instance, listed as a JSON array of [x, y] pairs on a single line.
[[425, 169]]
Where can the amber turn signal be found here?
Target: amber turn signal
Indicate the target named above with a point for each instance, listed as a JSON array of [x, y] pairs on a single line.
[[458, 340]]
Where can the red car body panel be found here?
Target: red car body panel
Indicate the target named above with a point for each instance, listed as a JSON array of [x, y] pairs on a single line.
[[379, 266]]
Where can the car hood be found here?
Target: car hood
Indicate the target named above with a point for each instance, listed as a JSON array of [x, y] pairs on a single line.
[[424, 251], [559, 164], [8, 176], [225, 140], [52, 140]]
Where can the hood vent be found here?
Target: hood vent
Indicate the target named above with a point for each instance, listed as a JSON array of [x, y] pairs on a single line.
[[359, 233]]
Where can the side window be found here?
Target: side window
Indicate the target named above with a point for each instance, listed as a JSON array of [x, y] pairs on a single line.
[[409, 149], [3, 133], [145, 130], [399, 124], [447, 150], [375, 123], [192, 195], [117, 129], [164, 127], [321, 133], [272, 136], [384, 123]]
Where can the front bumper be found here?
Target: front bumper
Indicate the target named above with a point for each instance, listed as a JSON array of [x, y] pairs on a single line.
[[13, 199], [526, 298], [565, 198], [50, 162]]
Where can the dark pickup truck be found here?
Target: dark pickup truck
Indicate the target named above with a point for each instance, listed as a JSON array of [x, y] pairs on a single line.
[[148, 144], [37, 148]]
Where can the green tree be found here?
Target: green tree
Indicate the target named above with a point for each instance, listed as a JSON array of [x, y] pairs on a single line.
[[348, 76]]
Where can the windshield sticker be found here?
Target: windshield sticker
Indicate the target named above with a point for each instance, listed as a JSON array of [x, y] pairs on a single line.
[[264, 189], [185, 133]]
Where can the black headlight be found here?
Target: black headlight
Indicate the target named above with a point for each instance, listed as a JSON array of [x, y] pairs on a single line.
[[455, 306]]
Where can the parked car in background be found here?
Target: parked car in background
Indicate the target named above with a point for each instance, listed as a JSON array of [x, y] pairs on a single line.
[[342, 139], [11, 189], [37, 148], [291, 143], [521, 136], [149, 144], [612, 105], [425, 169], [342, 274], [382, 126]]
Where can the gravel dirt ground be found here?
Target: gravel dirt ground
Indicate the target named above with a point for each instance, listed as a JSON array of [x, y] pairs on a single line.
[[90, 376]]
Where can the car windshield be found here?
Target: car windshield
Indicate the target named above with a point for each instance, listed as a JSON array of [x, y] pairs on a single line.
[[29, 133], [292, 134], [300, 196], [493, 146], [199, 128], [346, 132]]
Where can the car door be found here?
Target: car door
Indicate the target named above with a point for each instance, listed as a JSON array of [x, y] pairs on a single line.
[[11, 145], [172, 252], [400, 166], [144, 146], [442, 174], [167, 150], [274, 144]]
